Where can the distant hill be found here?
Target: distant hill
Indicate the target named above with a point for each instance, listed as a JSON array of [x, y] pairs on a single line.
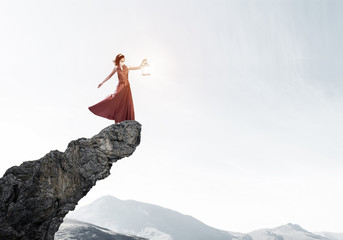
[[158, 223], [73, 229], [285, 232], [146, 220]]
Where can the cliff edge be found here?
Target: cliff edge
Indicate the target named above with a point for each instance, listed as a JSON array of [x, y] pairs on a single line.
[[35, 196]]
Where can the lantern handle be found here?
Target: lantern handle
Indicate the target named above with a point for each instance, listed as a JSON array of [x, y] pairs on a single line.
[[143, 61]]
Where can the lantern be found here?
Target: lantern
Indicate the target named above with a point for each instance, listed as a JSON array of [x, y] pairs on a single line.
[[146, 69]]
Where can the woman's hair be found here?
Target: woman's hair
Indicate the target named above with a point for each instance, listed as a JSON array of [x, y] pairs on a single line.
[[118, 57]]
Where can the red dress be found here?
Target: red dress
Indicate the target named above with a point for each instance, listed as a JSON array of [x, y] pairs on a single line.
[[119, 105]]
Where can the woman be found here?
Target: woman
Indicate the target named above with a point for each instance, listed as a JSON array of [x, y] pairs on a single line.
[[119, 105]]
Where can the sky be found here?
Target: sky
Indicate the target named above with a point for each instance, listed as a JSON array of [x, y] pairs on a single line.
[[241, 116]]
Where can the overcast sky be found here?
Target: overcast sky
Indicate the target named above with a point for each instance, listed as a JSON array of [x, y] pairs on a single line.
[[241, 116]]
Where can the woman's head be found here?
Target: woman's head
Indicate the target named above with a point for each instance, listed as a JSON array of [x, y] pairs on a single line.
[[120, 59]]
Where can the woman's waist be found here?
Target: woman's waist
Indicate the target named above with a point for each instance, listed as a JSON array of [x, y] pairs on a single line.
[[125, 83]]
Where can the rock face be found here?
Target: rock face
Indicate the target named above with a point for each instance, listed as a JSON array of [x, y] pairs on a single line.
[[35, 196]]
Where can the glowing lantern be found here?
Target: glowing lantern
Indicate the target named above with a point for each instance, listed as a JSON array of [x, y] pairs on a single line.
[[146, 69]]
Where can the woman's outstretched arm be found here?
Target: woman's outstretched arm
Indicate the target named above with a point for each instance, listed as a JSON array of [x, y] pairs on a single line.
[[108, 77], [139, 67]]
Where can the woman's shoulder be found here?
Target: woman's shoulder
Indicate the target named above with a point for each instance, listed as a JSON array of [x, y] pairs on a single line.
[[125, 68]]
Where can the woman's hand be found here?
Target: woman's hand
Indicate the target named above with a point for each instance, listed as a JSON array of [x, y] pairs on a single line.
[[144, 60], [99, 85]]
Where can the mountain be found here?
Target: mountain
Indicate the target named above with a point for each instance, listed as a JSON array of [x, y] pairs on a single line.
[[35, 196], [285, 232], [73, 229], [146, 220], [158, 223]]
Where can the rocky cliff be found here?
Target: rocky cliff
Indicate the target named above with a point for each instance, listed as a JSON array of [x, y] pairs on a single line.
[[35, 196]]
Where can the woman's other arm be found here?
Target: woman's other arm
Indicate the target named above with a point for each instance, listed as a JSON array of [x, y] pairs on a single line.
[[139, 67], [108, 77]]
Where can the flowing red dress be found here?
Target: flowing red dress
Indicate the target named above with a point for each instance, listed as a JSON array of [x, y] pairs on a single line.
[[119, 105]]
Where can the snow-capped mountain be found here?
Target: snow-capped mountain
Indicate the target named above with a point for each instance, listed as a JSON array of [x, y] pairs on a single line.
[[158, 223], [146, 220], [285, 232], [73, 229]]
